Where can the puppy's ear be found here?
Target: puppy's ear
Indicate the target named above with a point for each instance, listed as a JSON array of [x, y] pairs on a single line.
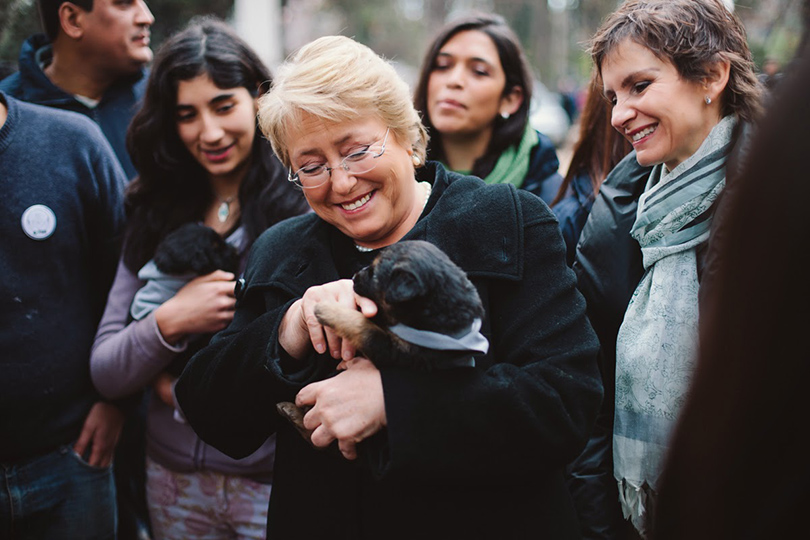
[[403, 285]]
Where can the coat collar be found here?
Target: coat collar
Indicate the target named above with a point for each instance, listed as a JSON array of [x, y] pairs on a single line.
[[464, 217]]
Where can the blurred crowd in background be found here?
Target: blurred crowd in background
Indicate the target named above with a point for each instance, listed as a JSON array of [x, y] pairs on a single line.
[[553, 33]]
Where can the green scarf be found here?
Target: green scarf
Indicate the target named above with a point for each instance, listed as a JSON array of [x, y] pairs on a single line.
[[513, 165]]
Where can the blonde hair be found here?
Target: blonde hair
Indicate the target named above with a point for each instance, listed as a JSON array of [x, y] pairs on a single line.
[[336, 79]]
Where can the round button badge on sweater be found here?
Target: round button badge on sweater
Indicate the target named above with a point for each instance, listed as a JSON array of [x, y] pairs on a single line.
[[38, 222]]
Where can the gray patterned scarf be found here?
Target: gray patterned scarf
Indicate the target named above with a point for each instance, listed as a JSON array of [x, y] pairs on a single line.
[[657, 341]]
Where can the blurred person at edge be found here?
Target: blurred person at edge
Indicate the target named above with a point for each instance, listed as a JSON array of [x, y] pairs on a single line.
[[597, 151], [468, 452], [201, 159], [91, 60], [61, 216], [473, 94], [681, 81]]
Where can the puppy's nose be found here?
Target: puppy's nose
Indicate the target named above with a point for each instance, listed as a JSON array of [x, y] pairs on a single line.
[[362, 280]]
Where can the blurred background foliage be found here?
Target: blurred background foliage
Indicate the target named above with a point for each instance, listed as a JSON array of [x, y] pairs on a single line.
[[554, 32], [19, 19]]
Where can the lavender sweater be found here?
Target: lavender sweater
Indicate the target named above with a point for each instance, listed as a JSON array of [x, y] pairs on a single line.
[[126, 357]]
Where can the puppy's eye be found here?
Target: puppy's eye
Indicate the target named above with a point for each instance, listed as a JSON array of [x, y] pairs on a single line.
[[366, 271]]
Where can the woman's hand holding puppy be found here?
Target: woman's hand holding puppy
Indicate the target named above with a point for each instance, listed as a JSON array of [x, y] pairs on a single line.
[[204, 305], [300, 328], [348, 407]]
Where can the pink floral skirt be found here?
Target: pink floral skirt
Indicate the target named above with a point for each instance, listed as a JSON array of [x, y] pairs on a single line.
[[205, 505]]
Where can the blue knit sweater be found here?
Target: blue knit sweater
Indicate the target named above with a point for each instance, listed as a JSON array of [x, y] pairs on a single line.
[[56, 267]]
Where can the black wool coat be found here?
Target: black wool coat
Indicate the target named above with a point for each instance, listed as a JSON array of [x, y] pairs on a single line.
[[467, 453], [608, 266]]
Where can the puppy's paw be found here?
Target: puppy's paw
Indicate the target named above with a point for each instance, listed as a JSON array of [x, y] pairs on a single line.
[[295, 415], [346, 323], [368, 339]]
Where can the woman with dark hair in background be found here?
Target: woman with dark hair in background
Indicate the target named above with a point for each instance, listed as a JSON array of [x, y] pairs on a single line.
[[599, 149], [474, 93], [201, 159]]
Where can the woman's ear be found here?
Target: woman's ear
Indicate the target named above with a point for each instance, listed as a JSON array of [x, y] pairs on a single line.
[[716, 79], [511, 102]]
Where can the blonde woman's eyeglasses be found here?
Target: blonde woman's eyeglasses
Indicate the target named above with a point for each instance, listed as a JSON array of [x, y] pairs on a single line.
[[313, 176]]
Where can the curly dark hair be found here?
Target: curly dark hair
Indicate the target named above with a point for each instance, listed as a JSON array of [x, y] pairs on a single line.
[[171, 189]]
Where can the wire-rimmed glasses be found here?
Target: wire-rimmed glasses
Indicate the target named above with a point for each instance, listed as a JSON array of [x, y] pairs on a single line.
[[313, 176]]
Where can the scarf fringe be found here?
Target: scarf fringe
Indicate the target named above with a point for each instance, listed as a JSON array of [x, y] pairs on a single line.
[[635, 500]]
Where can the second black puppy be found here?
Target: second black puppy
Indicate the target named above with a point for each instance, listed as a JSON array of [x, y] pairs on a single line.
[[190, 251], [195, 249], [428, 314]]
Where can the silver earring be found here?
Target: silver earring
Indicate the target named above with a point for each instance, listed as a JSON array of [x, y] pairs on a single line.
[[708, 100], [505, 115]]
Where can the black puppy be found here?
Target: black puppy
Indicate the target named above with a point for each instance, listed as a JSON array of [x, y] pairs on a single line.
[[416, 287], [428, 314], [195, 249]]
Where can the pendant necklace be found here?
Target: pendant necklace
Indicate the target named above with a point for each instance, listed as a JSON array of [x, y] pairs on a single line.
[[224, 210]]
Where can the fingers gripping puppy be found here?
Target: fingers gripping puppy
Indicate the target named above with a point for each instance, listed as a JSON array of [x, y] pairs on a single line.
[[429, 314]]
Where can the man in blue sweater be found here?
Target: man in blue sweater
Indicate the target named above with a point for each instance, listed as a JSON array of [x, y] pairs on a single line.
[[60, 219], [91, 61]]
